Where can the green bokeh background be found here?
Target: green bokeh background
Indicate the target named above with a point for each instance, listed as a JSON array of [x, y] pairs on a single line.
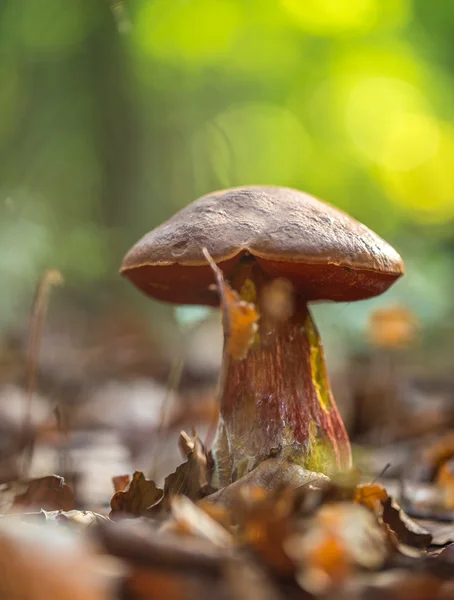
[[113, 115]]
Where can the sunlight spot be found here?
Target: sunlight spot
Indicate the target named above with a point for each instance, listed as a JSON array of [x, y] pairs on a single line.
[[332, 17], [411, 140], [376, 111], [427, 191], [179, 31]]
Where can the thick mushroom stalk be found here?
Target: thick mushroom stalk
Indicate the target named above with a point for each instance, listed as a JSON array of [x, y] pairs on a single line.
[[277, 401]]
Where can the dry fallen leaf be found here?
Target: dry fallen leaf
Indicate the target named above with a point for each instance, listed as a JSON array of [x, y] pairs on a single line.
[[240, 318], [408, 531], [191, 477], [192, 519], [219, 513], [392, 327], [442, 533], [436, 454], [79, 518], [371, 496], [120, 482], [140, 495], [445, 481], [185, 443], [264, 522], [49, 493], [339, 539], [40, 561], [271, 474]]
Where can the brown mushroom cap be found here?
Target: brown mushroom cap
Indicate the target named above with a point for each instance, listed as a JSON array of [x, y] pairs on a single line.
[[326, 254]]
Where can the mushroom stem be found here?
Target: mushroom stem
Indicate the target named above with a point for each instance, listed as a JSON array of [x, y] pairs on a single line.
[[277, 401]]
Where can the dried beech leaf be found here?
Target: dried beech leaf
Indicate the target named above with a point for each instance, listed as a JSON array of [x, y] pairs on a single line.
[[219, 513], [191, 477], [393, 327], [264, 523], [439, 452], [448, 554], [41, 562], [154, 584], [407, 530], [79, 518], [371, 496], [340, 538], [175, 554], [49, 493], [239, 317], [185, 443], [442, 533], [140, 495], [445, 481], [242, 323], [197, 522], [120, 482], [271, 474]]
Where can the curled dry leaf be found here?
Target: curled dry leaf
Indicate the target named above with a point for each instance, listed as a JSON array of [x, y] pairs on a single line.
[[194, 520], [442, 533], [399, 584], [340, 538], [371, 496], [438, 453], [191, 477], [49, 493], [393, 327], [445, 481], [185, 443], [79, 518], [137, 499], [269, 475], [251, 581], [264, 523], [219, 513], [42, 562], [120, 482], [408, 531], [172, 553], [154, 584], [239, 317]]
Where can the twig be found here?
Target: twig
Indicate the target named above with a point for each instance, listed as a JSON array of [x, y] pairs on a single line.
[[172, 384], [380, 475], [50, 278], [226, 324]]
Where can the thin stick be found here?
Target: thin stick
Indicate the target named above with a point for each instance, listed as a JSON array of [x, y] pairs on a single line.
[[226, 325], [172, 384], [50, 278], [380, 475]]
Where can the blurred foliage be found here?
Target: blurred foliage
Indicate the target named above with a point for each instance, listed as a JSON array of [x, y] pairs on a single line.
[[114, 114]]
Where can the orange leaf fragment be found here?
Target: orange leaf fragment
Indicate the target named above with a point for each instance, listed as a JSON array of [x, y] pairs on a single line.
[[239, 317], [120, 482], [393, 327], [445, 481], [371, 496], [49, 493]]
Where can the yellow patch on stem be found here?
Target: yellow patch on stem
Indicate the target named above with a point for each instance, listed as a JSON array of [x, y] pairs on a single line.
[[318, 368], [320, 454]]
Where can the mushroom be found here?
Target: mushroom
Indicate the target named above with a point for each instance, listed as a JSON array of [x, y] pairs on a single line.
[[276, 401]]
